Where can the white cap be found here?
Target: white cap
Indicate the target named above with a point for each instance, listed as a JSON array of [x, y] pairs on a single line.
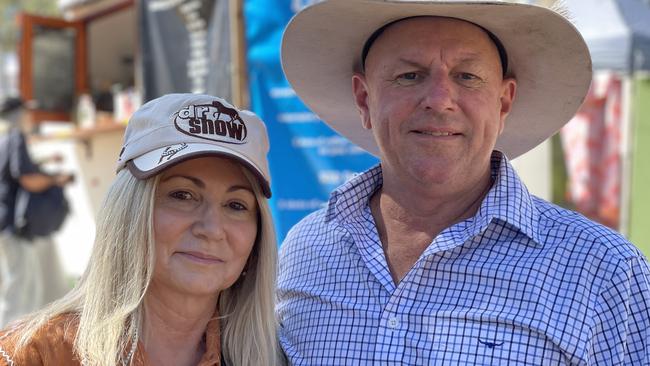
[[177, 127]]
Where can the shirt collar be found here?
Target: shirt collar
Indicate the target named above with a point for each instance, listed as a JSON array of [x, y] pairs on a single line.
[[508, 200], [348, 201], [212, 355]]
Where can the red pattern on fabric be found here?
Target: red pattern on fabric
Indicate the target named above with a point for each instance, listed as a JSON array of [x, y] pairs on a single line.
[[592, 151]]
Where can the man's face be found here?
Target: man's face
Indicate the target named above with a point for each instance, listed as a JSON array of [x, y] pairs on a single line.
[[434, 97]]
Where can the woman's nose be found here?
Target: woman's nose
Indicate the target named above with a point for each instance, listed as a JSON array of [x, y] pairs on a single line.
[[210, 223]]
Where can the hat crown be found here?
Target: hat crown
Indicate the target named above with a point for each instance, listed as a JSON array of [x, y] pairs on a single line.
[[182, 125]]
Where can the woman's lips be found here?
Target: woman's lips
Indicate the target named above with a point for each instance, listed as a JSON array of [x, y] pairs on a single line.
[[200, 257]]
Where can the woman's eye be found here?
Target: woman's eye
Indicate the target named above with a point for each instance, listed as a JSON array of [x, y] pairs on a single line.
[[237, 206], [181, 195]]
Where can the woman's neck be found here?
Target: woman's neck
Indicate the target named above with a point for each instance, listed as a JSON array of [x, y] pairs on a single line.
[[173, 327]]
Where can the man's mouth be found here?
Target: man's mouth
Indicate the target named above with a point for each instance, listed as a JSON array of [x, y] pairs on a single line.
[[436, 133], [432, 133]]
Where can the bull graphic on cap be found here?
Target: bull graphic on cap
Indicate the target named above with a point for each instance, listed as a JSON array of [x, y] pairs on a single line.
[[214, 121], [170, 151]]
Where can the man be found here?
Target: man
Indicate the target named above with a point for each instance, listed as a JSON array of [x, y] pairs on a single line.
[[21, 283], [439, 255]]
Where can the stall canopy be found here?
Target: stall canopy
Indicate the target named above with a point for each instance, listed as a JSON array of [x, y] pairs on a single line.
[[617, 32], [612, 131]]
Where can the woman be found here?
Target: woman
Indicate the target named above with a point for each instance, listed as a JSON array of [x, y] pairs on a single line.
[[183, 267]]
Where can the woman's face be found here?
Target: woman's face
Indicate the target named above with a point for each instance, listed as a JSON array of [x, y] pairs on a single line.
[[205, 224]]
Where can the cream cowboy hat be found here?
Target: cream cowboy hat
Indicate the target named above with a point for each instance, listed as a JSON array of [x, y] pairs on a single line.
[[322, 47]]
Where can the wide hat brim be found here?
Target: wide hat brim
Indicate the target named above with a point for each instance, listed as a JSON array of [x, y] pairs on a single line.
[[321, 49]]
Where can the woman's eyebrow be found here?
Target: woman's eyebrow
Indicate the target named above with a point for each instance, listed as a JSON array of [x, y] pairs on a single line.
[[238, 187], [199, 183]]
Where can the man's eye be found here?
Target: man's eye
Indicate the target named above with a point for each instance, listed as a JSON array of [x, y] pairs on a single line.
[[181, 195], [408, 76], [467, 76]]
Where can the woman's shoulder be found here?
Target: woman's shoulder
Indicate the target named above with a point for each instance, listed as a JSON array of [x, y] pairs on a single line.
[[51, 344]]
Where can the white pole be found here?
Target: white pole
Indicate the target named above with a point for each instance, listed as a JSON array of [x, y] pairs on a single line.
[[4, 82]]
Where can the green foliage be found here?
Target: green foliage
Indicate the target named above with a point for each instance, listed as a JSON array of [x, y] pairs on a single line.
[[9, 10], [559, 173], [638, 228]]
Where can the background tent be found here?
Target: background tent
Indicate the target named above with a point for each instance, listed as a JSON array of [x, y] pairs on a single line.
[[617, 32], [618, 35]]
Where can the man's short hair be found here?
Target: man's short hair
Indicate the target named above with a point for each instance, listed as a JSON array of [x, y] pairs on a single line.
[[10, 104]]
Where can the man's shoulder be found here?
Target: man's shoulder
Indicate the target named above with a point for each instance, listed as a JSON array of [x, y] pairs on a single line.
[[346, 201], [309, 228], [13, 138], [564, 226]]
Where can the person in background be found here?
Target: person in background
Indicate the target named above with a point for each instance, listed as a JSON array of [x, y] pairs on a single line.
[[439, 255], [183, 267], [23, 276]]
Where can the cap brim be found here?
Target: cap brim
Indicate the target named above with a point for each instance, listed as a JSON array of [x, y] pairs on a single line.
[[321, 49], [155, 161]]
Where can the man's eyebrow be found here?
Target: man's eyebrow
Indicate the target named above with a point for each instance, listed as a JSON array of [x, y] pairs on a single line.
[[411, 63], [464, 58], [470, 57]]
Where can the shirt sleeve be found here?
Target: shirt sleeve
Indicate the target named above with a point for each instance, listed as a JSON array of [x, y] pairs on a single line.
[[19, 161], [621, 331]]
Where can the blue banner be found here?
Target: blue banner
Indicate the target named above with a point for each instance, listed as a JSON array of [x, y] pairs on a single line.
[[307, 159]]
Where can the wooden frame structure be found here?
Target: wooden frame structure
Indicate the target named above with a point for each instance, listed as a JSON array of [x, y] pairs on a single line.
[[28, 23]]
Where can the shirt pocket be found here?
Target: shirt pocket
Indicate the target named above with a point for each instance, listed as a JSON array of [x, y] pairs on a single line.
[[467, 341]]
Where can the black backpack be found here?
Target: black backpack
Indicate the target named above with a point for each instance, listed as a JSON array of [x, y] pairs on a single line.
[[39, 214]]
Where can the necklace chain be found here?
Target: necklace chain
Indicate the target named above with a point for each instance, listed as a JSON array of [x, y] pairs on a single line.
[[126, 361]]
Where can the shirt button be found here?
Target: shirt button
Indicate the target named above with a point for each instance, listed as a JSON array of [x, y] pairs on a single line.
[[393, 323]]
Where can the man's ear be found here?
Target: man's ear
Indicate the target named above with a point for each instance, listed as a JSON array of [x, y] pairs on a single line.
[[360, 92], [506, 100]]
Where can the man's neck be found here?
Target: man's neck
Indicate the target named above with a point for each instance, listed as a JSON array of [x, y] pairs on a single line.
[[408, 218], [174, 326]]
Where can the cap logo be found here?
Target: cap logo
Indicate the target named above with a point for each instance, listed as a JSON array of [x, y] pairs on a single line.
[[170, 151], [214, 122]]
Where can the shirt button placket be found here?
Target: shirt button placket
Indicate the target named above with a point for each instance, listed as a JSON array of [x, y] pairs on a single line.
[[391, 336]]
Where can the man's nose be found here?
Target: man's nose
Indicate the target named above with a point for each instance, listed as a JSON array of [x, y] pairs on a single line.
[[438, 92]]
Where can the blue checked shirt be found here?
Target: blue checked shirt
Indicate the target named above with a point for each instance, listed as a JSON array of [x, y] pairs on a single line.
[[523, 282]]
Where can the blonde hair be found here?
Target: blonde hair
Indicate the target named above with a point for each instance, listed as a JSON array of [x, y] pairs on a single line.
[[249, 331], [108, 299]]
